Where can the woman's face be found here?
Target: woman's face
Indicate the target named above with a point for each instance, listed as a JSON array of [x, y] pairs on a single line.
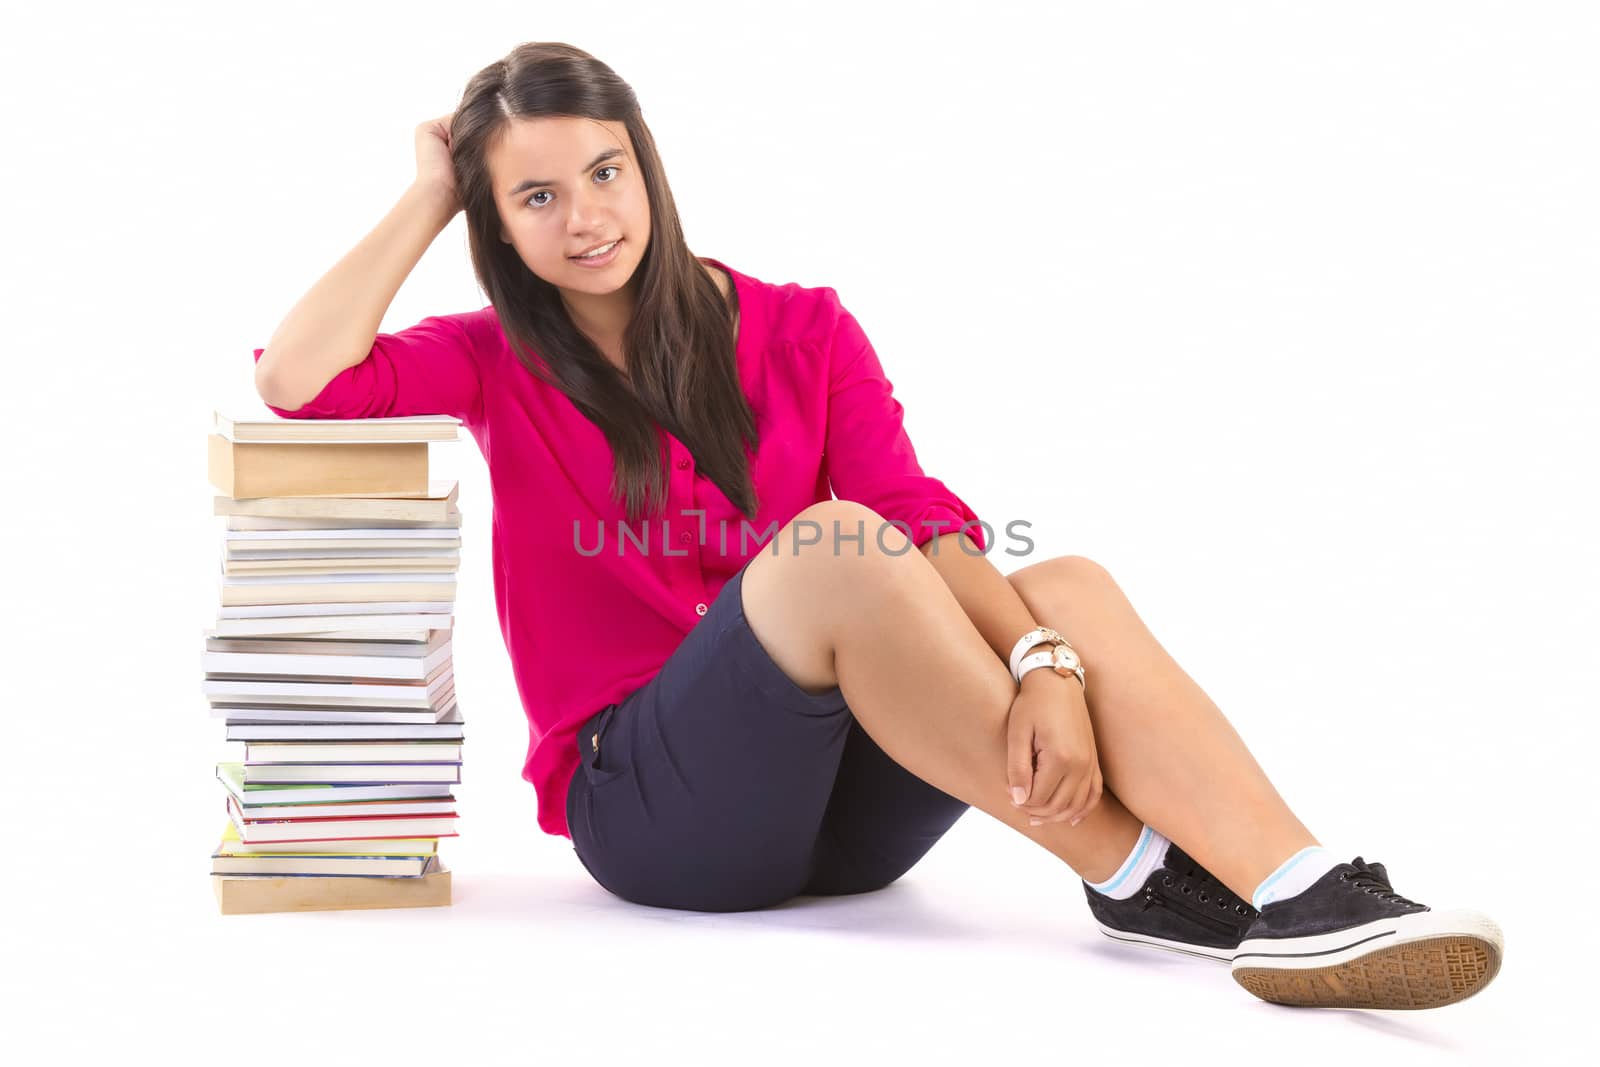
[[564, 185]]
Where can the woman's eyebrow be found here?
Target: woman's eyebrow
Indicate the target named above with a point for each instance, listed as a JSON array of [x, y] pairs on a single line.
[[531, 183]]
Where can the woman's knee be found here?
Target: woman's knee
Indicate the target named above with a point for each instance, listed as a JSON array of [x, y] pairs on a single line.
[[805, 588], [846, 529], [1060, 580], [839, 552]]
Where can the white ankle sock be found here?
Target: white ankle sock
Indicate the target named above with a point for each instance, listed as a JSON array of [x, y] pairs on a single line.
[[1147, 854], [1295, 875]]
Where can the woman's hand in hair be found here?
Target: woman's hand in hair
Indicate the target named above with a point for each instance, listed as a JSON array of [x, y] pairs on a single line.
[[435, 171]]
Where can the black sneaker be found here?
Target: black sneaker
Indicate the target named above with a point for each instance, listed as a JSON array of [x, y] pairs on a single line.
[[1351, 941], [1182, 907]]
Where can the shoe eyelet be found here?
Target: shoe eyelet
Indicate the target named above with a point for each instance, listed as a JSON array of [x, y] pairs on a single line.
[[1166, 881], [1203, 898], [1240, 909], [1187, 890]]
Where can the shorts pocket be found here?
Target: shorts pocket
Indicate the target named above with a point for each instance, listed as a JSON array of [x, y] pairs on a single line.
[[602, 759], [600, 752]]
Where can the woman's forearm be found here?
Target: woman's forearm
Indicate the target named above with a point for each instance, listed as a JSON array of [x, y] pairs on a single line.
[[333, 326], [983, 592]]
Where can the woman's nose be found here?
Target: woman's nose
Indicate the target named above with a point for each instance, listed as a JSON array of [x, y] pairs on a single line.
[[584, 212]]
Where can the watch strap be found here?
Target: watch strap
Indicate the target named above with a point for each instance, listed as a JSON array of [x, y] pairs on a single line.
[[1028, 640], [1034, 662], [1047, 658]]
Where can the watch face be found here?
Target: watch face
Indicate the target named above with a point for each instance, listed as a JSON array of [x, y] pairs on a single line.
[[1066, 658]]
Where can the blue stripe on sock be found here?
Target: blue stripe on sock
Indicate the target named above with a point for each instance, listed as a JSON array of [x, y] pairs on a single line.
[[1128, 867], [1282, 870]]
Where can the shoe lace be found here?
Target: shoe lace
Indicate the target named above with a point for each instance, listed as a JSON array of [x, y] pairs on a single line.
[[1374, 879], [1203, 888]]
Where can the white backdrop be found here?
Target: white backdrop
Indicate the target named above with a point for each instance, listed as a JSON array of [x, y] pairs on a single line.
[[1295, 304]]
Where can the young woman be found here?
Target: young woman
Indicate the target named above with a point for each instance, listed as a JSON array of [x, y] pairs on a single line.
[[740, 689]]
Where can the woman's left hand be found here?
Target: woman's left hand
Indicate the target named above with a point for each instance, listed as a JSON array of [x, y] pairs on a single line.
[[1050, 750]]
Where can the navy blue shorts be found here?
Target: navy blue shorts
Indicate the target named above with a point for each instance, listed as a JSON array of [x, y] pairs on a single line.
[[722, 785]]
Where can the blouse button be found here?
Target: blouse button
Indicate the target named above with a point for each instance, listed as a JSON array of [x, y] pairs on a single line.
[[683, 464], [684, 537], [699, 609]]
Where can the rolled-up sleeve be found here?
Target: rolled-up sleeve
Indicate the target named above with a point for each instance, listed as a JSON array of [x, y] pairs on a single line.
[[426, 369], [868, 455]]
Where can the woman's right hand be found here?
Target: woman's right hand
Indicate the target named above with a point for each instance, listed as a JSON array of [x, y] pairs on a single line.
[[1051, 757], [434, 168]]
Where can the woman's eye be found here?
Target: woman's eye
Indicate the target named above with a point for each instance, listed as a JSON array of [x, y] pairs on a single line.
[[546, 192]]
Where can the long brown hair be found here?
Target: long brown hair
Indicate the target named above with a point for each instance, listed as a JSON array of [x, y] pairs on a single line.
[[679, 343]]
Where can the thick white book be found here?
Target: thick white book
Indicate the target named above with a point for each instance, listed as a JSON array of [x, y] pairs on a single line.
[[437, 702], [406, 668], [400, 694]]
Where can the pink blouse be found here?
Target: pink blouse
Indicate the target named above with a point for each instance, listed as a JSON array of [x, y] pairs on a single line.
[[828, 419]]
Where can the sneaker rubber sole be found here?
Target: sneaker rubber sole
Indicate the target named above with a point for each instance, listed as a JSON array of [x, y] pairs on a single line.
[[1423, 960], [1205, 952]]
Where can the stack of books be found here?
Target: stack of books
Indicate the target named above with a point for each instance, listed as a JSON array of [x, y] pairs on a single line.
[[331, 662]]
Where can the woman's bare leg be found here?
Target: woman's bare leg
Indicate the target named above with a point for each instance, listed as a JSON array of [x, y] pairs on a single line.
[[934, 696], [1165, 749]]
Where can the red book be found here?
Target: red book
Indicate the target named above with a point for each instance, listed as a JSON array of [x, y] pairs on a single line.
[[348, 828]]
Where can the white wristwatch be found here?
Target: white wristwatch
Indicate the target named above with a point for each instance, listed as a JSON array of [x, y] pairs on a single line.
[[1062, 657], [1033, 637]]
